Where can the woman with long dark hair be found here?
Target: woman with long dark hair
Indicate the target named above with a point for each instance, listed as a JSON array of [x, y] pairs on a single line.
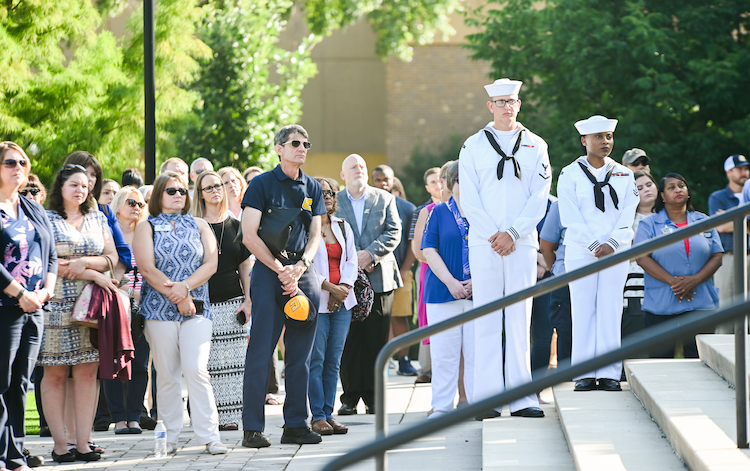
[[678, 277]]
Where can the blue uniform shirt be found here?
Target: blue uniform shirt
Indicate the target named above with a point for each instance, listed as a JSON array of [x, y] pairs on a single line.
[[724, 199], [553, 231], [267, 191], [658, 296]]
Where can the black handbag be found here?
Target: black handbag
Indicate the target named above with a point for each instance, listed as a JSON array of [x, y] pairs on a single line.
[[276, 225]]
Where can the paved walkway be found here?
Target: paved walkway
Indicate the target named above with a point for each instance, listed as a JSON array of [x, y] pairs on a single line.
[[459, 447]]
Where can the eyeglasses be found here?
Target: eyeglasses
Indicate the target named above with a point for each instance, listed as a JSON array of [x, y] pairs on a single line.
[[296, 144], [173, 191], [134, 203], [211, 189], [503, 103], [329, 194], [73, 167], [33, 191], [11, 163]]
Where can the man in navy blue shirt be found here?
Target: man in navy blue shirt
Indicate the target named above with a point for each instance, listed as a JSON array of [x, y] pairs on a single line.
[[277, 274], [737, 170]]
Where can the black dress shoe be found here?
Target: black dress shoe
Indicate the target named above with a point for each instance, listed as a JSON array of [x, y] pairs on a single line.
[[33, 461], [255, 439], [90, 456], [347, 409], [64, 458], [606, 384], [300, 436], [45, 432], [528, 412], [490, 414], [585, 384], [369, 409], [147, 423]]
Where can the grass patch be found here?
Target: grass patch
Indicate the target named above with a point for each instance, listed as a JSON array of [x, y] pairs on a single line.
[[32, 415]]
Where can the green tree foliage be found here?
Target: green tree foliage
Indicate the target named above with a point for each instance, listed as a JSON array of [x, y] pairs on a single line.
[[68, 85], [249, 87], [398, 24], [674, 72], [422, 158]]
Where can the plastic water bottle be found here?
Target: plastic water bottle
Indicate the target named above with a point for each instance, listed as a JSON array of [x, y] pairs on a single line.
[[160, 439]]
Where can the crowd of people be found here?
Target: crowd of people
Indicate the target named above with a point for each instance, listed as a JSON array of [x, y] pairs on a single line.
[[203, 253]]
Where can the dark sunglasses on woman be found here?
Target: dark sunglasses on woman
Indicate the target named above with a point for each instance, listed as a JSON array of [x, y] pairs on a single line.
[[33, 191], [134, 203], [11, 163], [173, 191]]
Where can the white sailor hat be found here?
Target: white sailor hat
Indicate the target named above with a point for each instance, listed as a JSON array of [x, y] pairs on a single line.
[[502, 87], [596, 123]]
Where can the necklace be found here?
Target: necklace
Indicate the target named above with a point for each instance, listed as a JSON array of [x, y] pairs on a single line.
[[324, 231], [221, 239]]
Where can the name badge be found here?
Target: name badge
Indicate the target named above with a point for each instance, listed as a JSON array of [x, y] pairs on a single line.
[[162, 228]]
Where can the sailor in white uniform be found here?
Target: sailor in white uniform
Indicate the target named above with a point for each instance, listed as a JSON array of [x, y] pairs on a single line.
[[598, 199], [505, 182]]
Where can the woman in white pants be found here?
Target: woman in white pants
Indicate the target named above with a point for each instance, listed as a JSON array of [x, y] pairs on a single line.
[[177, 254], [447, 294], [598, 199]]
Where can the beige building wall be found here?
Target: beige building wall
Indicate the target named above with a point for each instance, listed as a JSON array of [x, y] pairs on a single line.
[[359, 103]]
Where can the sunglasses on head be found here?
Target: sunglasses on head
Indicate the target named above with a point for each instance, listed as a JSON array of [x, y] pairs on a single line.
[[134, 203], [73, 167], [33, 191], [173, 191], [11, 163], [296, 144]]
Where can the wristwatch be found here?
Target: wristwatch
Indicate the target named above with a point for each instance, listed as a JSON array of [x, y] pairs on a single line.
[[20, 294], [306, 262]]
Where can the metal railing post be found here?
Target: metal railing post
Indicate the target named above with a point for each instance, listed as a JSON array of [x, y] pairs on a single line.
[[381, 415], [740, 330]]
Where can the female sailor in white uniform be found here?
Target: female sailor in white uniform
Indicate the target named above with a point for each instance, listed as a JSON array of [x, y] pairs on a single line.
[[598, 199]]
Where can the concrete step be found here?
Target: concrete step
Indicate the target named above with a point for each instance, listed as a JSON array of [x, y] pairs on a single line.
[[612, 431], [694, 408], [522, 444], [717, 351]]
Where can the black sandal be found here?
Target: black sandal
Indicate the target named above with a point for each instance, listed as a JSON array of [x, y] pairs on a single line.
[[64, 458]]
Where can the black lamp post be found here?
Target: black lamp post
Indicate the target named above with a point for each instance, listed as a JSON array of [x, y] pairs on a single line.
[[149, 89]]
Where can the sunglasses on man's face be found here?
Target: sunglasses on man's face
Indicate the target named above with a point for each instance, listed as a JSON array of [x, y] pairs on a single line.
[[33, 191], [173, 191], [296, 144], [134, 203], [11, 163]]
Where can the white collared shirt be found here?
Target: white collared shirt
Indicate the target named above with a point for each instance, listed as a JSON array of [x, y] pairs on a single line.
[[358, 207]]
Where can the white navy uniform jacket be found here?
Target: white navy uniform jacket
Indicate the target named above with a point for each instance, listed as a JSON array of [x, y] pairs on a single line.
[[509, 205], [587, 226]]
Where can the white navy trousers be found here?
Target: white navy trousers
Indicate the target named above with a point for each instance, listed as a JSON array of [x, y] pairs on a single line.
[[494, 277], [596, 311]]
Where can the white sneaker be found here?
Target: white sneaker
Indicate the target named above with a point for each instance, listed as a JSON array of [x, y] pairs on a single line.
[[216, 448], [171, 448]]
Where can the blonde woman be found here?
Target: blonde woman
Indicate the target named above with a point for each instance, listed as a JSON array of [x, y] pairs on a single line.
[[129, 208], [229, 291], [235, 187]]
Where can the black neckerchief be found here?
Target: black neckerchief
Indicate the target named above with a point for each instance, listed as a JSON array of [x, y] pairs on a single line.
[[511, 157], [598, 193]]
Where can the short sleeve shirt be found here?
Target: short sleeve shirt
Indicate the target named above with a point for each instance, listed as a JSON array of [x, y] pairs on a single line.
[[553, 231], [267, 191], [442, 233]]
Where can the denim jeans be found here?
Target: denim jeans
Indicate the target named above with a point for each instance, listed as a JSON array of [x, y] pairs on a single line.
[[125, 400], [326, 360]]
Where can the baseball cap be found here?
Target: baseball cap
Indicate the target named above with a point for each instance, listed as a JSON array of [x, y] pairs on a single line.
[[297, 308], [634, 154], [734, 161]]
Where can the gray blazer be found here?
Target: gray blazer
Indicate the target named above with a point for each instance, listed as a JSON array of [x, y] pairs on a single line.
[[381, 234]]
